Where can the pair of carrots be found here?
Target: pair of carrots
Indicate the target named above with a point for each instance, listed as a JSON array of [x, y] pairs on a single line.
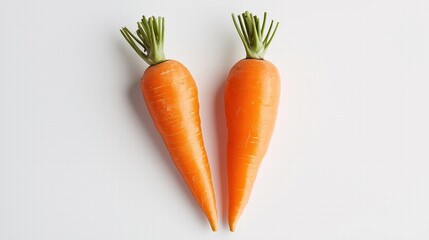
[[251, 100]]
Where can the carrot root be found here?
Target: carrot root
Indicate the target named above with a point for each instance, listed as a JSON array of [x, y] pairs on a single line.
[[251, 100], [171, 96]]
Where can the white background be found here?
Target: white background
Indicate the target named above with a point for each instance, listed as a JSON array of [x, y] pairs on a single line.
[[80, 158]]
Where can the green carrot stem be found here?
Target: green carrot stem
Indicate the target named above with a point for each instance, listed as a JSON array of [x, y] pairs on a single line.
[[149, 43], [252, 34]]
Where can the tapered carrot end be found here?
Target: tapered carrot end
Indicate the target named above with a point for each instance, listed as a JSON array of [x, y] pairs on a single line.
[[214, 226], [232, 223], [213, 222], [232, 227], [212, 217]]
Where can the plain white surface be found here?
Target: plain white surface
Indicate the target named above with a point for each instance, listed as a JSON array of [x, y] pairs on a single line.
[[80, 158]]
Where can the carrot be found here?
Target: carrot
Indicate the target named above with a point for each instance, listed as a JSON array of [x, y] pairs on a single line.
[[171, 96], [251, 100]]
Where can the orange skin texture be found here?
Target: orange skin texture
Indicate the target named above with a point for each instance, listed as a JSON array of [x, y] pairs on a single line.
[[252, 95], [171, 96]]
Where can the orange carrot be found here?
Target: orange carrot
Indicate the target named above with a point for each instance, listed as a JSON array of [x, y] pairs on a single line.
[[251, 100], [171, 96]]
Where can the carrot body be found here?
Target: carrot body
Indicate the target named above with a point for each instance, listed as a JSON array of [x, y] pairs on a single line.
[[251, 100], [171, 96]]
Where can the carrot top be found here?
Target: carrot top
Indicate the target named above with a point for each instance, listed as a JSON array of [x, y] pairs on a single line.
[[150, 34], [252, 34]]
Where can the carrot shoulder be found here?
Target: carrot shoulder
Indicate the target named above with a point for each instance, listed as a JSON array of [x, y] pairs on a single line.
[[251, 100], [171, 96]]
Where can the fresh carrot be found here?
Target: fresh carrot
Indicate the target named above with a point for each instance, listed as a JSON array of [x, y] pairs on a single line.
[[251, 100], [171, 96]]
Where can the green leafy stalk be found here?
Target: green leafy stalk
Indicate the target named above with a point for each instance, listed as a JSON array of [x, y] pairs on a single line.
[[252, 34], [149, 43]]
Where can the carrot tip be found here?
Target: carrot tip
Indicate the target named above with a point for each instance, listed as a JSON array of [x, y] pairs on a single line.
[[213, 224], [214, 227], [232, 227]]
